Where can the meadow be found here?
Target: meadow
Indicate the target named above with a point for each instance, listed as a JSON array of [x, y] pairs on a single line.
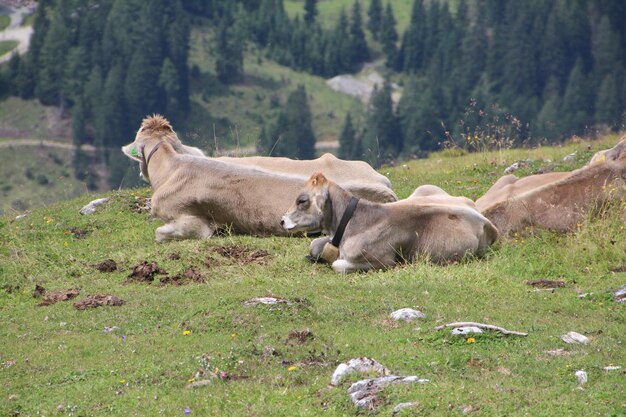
[[190, 322]]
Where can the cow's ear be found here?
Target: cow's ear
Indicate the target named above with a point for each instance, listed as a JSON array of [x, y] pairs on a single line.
[[318, 179]]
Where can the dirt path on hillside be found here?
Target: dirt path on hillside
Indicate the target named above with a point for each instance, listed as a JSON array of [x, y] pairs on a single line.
[[15, 32], [46, 143]]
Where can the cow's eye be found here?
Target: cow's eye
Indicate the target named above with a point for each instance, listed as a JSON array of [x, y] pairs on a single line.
[[301, 200]]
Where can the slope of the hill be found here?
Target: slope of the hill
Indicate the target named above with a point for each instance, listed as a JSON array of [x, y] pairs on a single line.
[[190, 323]]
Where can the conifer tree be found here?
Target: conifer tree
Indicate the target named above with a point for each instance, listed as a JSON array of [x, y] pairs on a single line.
[[552, 52], [75, 74], [293, 130], [389, 36], [411, 55], [169, 81], [375, 15], [358, 45], [229, 49], [608, 54], [548, 124], [383, 138], [609, 102], [111, 121], [576, 102], [310, 11], [420, 110], [52, 62], [347, 139]]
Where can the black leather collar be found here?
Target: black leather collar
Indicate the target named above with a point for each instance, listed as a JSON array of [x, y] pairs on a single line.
[[347, 215], [158, 145]]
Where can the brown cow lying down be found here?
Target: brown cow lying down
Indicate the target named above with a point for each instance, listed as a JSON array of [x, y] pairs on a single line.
[[197, 195], [358, 177], [430, 222], [558, 200]]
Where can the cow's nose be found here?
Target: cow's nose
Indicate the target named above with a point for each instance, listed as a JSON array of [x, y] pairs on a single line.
[[282, 222]]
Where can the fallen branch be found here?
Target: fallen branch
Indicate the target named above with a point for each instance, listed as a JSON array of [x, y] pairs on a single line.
[[482, 326]]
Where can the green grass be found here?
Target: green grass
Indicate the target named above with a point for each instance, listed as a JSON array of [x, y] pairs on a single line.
[[5, 21], [329, 10], [58, 356], [24, 118], [32, 176], [7, 46], [29, 20]]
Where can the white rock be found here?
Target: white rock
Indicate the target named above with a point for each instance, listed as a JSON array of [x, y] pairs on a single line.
[[582, 376], [363, 393], [573, 337], [611, 368], [466, 330], [265, 300], [407, 314], [362, 365], [570, 157], [20, 217], [91, 207], [402, 406], [620, 294]]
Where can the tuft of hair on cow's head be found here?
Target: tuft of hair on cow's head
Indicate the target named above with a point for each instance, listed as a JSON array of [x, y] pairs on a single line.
[[155, 123], [318, 180]]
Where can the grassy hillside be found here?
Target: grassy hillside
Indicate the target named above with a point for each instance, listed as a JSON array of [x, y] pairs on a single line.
[[138, 358], [34, 176], [238, 112]]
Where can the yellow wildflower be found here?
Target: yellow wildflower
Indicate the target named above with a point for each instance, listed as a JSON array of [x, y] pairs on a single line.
[[233, 334], [122, 381], [471, 340], [186, 332], [292, 368]]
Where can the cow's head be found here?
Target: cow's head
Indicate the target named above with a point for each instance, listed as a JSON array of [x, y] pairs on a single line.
[[154, 129], [308, 212]]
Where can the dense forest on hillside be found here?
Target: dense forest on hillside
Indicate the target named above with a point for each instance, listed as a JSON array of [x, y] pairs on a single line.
[[499, 70]]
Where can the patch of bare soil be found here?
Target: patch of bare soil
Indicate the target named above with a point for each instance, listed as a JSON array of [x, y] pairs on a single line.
[[78, 233], [39, 291], [546, 283], [56, 296], [174, 256], [242, 254], [108, 265], [98, 300], [188, 276], [141, 204], [300, 336], [145, 272], [621, 268]]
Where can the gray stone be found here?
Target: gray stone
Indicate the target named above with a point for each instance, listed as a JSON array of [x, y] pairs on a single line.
[[91, 207], [407, 314], [461, 331]]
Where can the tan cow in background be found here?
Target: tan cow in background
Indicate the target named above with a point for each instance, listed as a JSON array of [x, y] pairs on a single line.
[[558, 200], [358, 177]]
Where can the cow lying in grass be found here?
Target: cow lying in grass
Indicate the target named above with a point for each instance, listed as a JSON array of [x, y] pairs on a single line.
[[556, 201], [358, 177], [430, 223], [197, 195]]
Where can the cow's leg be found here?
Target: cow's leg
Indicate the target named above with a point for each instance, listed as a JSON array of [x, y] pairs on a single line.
[[184, 227], [343, 266], [317, 246]]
